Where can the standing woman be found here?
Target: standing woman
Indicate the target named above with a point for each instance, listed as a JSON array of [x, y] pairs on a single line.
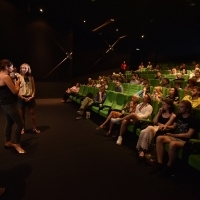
[[27, 95], [8, 101]]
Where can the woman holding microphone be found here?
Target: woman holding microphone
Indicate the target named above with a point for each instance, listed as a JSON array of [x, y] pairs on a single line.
[[8, 101]]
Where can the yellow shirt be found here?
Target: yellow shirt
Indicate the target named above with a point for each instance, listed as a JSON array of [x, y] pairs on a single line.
[[195, 102], [26, 87]]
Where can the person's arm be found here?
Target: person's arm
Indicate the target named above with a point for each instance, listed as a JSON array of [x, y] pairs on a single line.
[[155, 120], [33, 88], [14, 88], [183, 135]]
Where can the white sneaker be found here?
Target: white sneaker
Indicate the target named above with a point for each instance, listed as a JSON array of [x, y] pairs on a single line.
[[119, 140]]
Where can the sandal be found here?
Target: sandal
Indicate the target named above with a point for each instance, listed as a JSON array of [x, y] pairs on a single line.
[[8, 145], [35, 130], [19, 149], [99, 128]]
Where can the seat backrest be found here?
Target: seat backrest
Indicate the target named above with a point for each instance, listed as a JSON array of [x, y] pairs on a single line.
[[85, 91], [81, 89], [111, 86], [133, 88], [154, 82], [156, 106], [110, 97], [119, 102], [125, 87]]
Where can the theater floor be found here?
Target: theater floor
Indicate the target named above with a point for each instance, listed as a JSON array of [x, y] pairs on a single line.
[[69, 159]]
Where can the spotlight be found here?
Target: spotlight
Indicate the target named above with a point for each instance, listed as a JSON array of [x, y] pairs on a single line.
[[84, 21], [142, 36], [41, 10], [112, 20], [137, 49]]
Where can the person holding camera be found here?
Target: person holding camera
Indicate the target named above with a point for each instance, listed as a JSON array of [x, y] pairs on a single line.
[[27, 95], [8, 102]]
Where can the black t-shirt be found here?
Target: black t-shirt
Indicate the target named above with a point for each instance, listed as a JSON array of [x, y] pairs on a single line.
[[184, 124]]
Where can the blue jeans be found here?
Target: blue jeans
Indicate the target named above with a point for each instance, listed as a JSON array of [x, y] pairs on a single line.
[[13, 115]]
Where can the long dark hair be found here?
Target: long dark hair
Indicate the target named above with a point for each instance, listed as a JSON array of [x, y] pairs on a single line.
[[5, 63], [170, 103]]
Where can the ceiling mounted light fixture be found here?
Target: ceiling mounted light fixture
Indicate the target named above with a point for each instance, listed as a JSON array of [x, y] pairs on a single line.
[[41, 10]]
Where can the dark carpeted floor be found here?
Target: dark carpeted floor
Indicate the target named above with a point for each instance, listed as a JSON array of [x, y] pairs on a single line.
[[71, 160]]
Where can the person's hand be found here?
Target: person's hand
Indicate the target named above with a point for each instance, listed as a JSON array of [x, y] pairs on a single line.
[[17, 82], [160, 110]]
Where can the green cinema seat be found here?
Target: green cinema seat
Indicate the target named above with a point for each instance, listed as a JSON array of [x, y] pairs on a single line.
[[107, 104]]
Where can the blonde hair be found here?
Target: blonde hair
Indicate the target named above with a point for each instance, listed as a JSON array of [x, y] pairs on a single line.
[[29, 68]]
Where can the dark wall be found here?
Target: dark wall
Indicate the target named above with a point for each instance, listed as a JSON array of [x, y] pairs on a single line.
[[90, 52], [24, 38]]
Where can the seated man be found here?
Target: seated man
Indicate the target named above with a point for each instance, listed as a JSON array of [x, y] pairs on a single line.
[[194, 99], [89, 100], [143, 111], [165, 83], [134, 80], [119, 87], [70, 91], [186, 126]]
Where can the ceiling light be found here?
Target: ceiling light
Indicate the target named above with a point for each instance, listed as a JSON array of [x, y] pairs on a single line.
[[112, 20], [41, 10], [84, 21], [117, 29], [137, 49], [142, 36]]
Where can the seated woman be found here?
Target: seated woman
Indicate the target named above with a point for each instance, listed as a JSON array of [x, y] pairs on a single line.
[[143, 111], [165, 117], [70, 91], [128, 108], [144, 91], [157, 93], [173, 95]]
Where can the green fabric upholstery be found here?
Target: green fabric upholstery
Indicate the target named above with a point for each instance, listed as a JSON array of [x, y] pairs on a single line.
[[194, 161]]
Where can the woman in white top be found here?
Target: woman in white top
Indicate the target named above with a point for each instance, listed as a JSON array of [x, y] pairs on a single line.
[[143, 111], [27, 95]]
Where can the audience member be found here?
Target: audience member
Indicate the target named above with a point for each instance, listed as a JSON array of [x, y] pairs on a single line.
[[143, 111], [157, 93], [149, 66], [165, 83], [191, 83], [70, 91], [118, 87], [134, 80], [159, 76], [186, 126], [173, 95], [128, 108], [194, 98], [89, 101], [141, 66], [165, 117]]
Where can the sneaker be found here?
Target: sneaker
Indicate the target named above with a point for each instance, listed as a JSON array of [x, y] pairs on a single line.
[[166, 171], [119, 140], [157, 167]]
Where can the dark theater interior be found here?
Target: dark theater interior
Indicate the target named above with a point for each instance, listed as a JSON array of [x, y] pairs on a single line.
[[68, 41]]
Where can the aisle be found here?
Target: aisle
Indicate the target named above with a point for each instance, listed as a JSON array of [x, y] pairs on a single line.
[[71, 160]]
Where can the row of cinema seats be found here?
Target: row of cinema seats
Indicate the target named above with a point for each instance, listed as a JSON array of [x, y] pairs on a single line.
[[116, 101]]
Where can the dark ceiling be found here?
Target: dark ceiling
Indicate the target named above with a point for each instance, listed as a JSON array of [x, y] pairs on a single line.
[[132, 17]]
